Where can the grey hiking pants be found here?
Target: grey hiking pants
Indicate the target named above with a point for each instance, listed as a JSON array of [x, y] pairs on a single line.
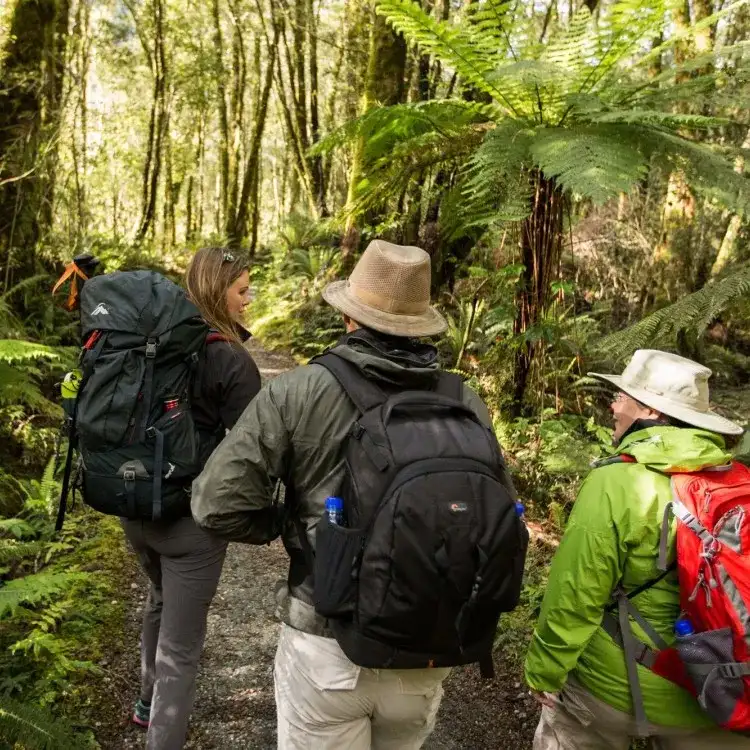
[[183, 563]]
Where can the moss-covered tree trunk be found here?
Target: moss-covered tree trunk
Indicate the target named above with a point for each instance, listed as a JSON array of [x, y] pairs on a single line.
[[384, 85], [32, 72]]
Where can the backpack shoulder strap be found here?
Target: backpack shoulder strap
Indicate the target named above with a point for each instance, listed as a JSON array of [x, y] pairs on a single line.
[[451, 385], [365, 394]]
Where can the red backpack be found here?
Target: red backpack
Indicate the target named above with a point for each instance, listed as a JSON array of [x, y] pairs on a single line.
[[713, 569]]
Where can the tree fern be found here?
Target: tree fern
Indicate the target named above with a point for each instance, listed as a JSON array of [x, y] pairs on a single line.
[[34, 728], [693, 313], [562, 100]]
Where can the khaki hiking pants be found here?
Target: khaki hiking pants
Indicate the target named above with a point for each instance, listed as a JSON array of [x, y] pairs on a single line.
[[183, 564], [580, 721], [324, 702]]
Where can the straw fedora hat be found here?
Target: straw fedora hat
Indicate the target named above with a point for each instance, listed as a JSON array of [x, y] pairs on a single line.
[[389, 290], [672, 385]]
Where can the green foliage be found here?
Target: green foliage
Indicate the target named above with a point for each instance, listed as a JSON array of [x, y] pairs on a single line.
[[692, 313], [34, 589], [564, 108], [549, 457], [35, 728]]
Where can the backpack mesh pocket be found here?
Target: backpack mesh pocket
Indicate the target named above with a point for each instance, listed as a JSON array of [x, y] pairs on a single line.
[[337, 551], [704, 655]]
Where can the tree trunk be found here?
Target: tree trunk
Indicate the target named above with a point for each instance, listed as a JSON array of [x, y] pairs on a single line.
[[223, 114], [541, 249], [239, 81], [384, 85], [728, 248], [316, 164], [30, 96], [240, 226], [157, 124]]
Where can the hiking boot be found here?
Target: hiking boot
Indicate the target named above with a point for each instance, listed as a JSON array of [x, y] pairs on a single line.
[[142, 713]]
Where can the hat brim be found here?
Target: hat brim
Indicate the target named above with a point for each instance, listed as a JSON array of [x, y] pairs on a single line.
[[705, 420], [429, 323]]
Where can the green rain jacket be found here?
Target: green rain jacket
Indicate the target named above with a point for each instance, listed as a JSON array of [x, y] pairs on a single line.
[[613, 537]]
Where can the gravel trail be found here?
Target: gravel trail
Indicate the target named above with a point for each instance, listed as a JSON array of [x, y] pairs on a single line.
[[234, 707]]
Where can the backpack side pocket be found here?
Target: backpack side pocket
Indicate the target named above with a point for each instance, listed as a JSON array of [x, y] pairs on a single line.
[[337, 554]]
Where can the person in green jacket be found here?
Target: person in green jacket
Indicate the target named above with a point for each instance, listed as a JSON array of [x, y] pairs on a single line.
[[575, 670]]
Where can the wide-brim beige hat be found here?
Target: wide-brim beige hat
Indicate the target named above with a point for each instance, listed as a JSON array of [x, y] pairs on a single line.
[[672, 385], [389, 290]]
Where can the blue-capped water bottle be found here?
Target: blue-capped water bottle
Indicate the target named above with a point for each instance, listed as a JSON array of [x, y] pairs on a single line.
[[520, 510], [683, 628], [335, 510]]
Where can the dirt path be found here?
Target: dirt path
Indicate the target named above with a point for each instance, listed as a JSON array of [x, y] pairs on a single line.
[[234, 707]]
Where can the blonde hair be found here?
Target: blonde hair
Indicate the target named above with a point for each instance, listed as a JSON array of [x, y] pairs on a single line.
[[210, 274]]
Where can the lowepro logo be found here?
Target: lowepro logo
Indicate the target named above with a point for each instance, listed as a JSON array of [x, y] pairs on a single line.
[[100, 309]]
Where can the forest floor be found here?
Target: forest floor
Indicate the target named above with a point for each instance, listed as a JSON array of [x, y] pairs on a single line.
[[234, 707]]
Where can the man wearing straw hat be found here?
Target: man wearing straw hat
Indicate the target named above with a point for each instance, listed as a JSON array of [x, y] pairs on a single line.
[[295, 430], [574, 668]]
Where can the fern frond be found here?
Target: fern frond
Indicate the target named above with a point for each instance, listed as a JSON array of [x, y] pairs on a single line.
[[593, 162], [17, 527], [400, 122], [34, 588], [26, 284], [35, 728], [694, 312], [460, 47], [15, 350], [662, 119], [12, 552]]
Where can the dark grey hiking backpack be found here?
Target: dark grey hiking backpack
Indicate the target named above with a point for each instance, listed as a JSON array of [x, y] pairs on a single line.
[[138, 444], [433, 550]]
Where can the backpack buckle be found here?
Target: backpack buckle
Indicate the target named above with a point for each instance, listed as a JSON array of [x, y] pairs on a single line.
[[129, 475], [151, 348]]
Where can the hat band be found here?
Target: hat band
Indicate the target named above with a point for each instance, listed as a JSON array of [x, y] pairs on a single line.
[[386, 304]]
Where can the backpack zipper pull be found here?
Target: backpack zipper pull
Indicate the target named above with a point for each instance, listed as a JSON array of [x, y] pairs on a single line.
[[707, 502]]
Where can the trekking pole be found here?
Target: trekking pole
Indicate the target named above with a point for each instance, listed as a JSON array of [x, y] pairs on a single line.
[[80, 269]]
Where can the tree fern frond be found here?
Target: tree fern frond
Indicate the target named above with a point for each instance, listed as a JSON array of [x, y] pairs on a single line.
[[594, 162], [389, 175], [492, 18], [621, 33], [664, 119], [404, 121], [694, 312], [457, 46], [572, 47], [709, 170], [35, 728]]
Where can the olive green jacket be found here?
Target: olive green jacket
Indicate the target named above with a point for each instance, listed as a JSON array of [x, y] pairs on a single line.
[[294, 430], [613, 537]]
